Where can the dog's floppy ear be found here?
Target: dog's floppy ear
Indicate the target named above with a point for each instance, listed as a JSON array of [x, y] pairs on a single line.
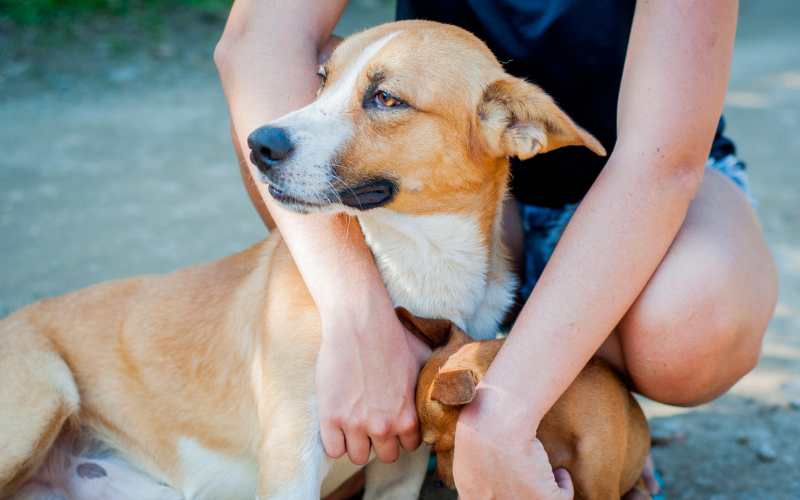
[[520, 119], [434, 332], [455, 387]]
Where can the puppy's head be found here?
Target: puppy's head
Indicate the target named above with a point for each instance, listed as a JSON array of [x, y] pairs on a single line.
[[415, 115], [446, 383]]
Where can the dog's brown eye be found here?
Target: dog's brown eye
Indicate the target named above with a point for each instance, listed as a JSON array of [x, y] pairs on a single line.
[[387, 100]]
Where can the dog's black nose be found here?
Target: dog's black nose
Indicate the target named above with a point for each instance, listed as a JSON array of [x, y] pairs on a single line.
[[268, 147], [437, 481]]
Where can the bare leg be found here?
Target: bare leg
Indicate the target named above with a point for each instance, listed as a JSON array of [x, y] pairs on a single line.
[[697, 326]]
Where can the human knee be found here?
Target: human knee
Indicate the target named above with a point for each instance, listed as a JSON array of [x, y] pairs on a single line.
[[693, 381], [693, 366], [691, 348]]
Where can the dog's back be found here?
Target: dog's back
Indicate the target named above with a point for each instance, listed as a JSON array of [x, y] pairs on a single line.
[[597, 431]]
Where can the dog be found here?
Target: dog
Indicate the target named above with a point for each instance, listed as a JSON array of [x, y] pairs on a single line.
[[201, 383], [596, 430]]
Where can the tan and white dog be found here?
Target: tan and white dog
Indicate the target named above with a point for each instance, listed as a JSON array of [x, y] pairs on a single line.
[[200, 384]]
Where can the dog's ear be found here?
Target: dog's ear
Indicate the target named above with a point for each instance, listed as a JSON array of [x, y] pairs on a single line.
[[455, 383], [520, 119], [455, 387], [434, 332]]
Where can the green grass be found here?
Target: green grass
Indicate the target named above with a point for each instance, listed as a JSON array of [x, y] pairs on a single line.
[[45, 12]]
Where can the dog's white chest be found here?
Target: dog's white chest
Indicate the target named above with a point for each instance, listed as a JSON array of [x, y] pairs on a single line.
[[435, 266]]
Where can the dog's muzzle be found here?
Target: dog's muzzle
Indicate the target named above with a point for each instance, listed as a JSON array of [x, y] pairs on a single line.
[[269, 146]]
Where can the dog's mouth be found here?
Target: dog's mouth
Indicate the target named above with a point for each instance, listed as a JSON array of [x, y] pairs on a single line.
[[366, 196], [281, 197]]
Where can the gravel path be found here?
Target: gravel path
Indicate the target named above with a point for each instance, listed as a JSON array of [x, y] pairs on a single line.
[[115, 160]]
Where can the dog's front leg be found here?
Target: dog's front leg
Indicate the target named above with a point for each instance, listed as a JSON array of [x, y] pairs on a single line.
[[291, 459], [401, 480]]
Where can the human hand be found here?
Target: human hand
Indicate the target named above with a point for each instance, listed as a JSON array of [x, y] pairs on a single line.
[[497, 455], [366, 378]]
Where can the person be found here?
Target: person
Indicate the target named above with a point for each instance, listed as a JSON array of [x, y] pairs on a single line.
[[660, 266]]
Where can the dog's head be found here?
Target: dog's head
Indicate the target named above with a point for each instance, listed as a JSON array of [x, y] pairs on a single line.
[[446, 383], [416, 115]]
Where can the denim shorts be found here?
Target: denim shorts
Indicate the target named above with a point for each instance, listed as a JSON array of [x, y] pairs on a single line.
[[544, 226]]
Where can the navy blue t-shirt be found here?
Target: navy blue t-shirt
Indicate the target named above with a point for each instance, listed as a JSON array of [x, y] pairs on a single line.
[[575, 50]]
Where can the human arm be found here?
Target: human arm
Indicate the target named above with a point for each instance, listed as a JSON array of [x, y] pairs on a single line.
[[368, 363], [671, 97]]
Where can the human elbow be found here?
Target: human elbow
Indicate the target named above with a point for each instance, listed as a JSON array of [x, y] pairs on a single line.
[[684, 167], [224, 51], [689, 173]]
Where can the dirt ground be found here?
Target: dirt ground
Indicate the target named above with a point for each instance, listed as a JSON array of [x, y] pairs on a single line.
[[115, 160]]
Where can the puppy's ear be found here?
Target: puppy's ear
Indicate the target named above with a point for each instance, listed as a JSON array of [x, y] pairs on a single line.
[[434, 332], [455, 383], [454, 387], [519, 119]]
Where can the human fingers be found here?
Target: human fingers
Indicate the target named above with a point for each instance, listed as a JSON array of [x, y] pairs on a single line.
[[332, 439], [385, 434], [358, 445], [410, 441], [565, 488], [407, 429], [387, 448]]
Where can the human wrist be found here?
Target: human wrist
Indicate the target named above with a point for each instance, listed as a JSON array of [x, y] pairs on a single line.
[[363, 302], [372, 323], [363, 305], [499, 412]]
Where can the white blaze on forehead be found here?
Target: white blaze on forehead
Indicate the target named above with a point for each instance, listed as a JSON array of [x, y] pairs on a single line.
[[337, 95], [319, 131]]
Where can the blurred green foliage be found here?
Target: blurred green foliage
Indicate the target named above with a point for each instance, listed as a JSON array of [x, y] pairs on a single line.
[[43, 12]]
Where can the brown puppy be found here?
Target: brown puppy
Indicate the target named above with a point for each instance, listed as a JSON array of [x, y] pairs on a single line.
[[596, 430]]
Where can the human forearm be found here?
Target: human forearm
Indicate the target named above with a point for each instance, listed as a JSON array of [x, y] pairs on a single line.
[[671, 97], [613, 245], [267, 59], [268, 55]]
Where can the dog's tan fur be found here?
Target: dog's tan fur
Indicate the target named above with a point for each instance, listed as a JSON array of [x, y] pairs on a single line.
[[204, 379], [596, 430]]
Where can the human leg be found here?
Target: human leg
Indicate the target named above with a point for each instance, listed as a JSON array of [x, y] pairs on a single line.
[[697, 326]]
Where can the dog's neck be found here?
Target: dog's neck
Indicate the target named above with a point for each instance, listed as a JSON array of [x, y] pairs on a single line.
[[441, 266]]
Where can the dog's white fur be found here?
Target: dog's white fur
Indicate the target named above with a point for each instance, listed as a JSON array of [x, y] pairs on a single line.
[[207, 474], [436, 266]]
